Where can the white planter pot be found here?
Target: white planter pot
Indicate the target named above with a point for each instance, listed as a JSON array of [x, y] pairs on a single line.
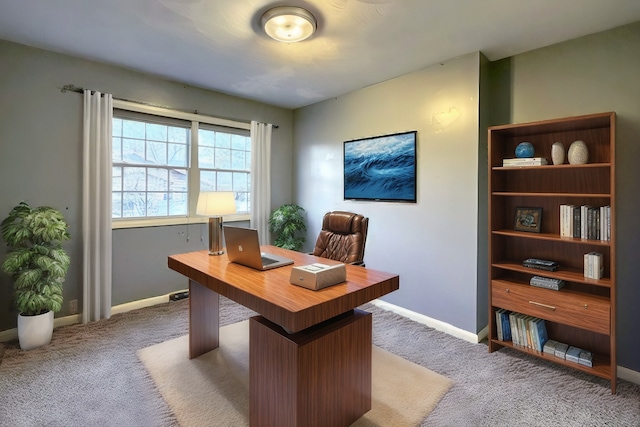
[[35, 331]]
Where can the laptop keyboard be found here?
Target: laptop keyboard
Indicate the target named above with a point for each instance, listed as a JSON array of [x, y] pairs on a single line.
[[268, 261]]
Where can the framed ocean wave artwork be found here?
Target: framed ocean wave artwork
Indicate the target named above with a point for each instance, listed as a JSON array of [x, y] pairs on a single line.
[[381, 168]]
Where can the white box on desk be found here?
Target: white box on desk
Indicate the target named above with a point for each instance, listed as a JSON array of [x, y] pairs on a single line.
[[317, 276]]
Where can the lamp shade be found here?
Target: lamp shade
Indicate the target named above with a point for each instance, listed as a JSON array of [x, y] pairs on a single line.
[[289, 24], [216, 203]]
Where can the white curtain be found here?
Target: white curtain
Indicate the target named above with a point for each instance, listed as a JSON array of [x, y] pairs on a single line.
[[261, 179], [96, 206]]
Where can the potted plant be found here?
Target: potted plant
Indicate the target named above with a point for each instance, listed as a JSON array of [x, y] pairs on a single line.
[[288, 225], [38, 264]]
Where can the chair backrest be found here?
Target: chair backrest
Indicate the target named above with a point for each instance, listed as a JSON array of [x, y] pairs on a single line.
[[343, 237]]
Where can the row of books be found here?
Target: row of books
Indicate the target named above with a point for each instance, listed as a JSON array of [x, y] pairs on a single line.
[[585, 222], [519, 162], [568, 353], [531, 332], [593, 265], [522, 330]]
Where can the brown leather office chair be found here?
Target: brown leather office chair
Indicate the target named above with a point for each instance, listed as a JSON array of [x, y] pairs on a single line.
[[343, 237]]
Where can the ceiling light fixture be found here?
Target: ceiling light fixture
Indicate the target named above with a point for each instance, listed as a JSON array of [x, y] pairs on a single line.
[[289, 23]]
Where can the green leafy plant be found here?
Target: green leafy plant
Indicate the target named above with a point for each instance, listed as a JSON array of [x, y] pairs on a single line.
[[36, 260], [288, 225]]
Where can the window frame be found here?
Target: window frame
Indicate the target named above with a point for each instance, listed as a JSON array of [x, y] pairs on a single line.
[[193, 169]]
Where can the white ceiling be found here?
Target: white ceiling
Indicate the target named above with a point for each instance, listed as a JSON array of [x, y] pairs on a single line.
[[218, 45]]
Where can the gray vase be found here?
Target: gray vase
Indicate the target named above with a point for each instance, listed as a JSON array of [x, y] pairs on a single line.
[[557, 153], [578, 153]]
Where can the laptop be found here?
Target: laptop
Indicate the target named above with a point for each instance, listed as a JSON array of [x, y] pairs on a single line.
[[243, 247]]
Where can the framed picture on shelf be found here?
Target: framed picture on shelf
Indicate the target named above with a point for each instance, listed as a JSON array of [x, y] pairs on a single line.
[[528, 219]]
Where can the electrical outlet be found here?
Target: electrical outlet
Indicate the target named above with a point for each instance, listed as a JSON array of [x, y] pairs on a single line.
[[73, 306]]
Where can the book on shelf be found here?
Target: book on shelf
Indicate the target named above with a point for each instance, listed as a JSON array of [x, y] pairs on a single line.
[[593, 265], [567, 220], [503, 326], [526, 327], [524, 161], [546, 282], [561, 350], [499, 324], [541, 336], [577, 220], [585, 222], [605, 223], [550, 347], [573, 354], [585, 358]]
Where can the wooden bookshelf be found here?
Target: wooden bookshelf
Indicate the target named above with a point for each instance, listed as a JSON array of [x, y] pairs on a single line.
[[583, 312]]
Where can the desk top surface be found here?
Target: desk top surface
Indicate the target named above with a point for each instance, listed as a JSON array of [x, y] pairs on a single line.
[[270, 293]]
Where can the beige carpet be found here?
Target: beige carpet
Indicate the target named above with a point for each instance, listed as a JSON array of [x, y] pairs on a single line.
[[213, 389]]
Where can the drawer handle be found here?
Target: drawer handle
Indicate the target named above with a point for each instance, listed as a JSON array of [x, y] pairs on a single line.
[[550, 307]]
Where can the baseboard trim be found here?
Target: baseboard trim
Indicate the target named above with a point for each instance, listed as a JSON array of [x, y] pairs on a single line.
[[134, 305], [12, 334], [628, 375], [432, 323]]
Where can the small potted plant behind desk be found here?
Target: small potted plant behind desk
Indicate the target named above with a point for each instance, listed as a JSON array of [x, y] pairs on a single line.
[[38, 264], [288, 225]]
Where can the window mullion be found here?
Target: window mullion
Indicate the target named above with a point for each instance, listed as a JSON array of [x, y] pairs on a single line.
[[194, 170]]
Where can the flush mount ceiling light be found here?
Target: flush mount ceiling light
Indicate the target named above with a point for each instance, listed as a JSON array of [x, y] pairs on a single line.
[[288, 24]]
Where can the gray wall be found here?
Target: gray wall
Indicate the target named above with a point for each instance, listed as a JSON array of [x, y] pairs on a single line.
[[431, 244], [41, 160]]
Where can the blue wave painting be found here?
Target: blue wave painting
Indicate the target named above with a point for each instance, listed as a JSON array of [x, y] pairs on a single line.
[[381, 168]]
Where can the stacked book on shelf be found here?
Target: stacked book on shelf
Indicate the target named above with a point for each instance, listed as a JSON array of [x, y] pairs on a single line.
[[593, 265], [569, 353], [524, 161], [585, 222], [547, 282]]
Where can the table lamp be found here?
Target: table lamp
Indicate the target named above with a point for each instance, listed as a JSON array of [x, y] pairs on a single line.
[[214, 204]]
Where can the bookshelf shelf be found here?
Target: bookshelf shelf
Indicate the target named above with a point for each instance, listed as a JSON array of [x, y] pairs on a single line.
[[554, 167], [582, 313], [553, 237], [580, 195], [601, 367], [568, 274]]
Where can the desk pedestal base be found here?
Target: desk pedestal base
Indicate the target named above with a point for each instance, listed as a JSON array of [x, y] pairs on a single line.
[[317, 377]]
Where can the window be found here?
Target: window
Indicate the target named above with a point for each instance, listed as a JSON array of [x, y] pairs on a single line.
[[224, 160], [152, 155], [150, 169]]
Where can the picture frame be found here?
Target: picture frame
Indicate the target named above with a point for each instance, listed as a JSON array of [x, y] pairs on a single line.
[[381, 168], [528, 219]]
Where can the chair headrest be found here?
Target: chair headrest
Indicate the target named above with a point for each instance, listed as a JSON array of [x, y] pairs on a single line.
[[342, 222]]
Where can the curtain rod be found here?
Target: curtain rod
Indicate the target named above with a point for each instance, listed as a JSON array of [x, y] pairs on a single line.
[[78, 89]]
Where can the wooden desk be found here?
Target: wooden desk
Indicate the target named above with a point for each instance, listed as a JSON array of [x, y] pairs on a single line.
[[310, 351]]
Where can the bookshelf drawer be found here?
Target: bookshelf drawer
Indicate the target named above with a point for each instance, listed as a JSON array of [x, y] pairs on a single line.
[[570, 308]]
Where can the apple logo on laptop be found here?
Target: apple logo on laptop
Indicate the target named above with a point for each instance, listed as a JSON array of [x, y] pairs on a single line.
[[240, 248]]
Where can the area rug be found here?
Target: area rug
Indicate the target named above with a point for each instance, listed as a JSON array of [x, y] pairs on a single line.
[[213, 389]]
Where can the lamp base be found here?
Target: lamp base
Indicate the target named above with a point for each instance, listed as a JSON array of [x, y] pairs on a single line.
[[215, 236]]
